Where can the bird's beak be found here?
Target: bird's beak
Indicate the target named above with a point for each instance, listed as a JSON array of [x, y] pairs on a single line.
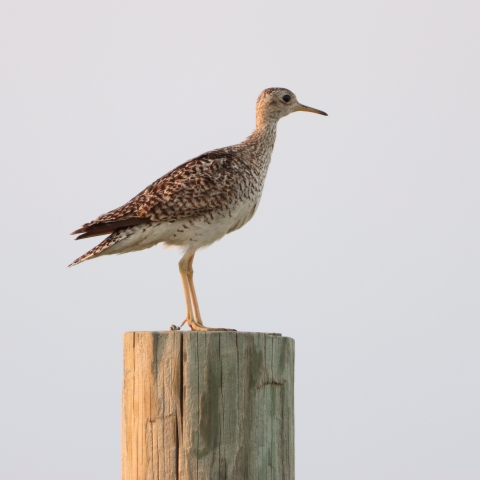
[[303, 108]]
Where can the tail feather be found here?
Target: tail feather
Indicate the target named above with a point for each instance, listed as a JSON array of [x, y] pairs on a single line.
[[96, 228], [115, 237]]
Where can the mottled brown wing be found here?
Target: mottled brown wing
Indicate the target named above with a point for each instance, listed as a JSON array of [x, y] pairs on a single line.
[[193, 188]]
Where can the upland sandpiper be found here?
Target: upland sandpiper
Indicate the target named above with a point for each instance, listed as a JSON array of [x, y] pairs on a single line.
[[198, 202]]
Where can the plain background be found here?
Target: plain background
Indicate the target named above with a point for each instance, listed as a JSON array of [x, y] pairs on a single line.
[[365, 248]]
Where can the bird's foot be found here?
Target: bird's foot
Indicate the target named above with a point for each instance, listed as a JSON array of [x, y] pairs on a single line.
[[196, 327]]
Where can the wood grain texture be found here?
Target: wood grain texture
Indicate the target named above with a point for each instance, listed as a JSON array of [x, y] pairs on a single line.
[[207, 406]]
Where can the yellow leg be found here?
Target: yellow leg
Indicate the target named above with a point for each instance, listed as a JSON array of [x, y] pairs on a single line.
[[194, 318], [193, 295], [183, 265]]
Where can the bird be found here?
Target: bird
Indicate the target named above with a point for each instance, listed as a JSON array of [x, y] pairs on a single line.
[[199, 202]]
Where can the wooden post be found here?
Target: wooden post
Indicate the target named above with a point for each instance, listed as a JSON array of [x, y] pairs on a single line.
[[207, 406]]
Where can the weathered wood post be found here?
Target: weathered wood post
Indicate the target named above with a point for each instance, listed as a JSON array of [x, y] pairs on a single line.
[[207, 406]]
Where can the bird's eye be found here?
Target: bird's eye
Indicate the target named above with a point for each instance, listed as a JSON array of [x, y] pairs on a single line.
[[286, 98]]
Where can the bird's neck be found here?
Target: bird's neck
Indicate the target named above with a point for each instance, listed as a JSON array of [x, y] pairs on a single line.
[[262, 140]]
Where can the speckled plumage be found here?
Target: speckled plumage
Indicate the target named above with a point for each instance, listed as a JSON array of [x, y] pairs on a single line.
[[201, 200]]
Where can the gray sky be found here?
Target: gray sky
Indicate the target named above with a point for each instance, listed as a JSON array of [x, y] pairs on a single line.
[[365, 248]]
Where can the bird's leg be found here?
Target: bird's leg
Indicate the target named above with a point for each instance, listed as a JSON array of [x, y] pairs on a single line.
[[183, 266], [186, 272], [194, 318], [193, 295]]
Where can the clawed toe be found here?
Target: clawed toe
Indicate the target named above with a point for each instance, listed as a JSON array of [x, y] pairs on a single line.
[[219, 329], [202, 328]]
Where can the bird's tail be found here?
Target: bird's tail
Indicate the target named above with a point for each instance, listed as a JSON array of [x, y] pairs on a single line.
[[115, 237]]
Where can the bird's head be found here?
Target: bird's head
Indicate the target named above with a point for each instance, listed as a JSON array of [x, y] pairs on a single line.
[[275, 103]]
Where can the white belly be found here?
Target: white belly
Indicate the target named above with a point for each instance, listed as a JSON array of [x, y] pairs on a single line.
[[189, 233]]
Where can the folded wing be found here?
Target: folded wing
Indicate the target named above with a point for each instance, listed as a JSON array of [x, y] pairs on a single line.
[[193, 188]]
